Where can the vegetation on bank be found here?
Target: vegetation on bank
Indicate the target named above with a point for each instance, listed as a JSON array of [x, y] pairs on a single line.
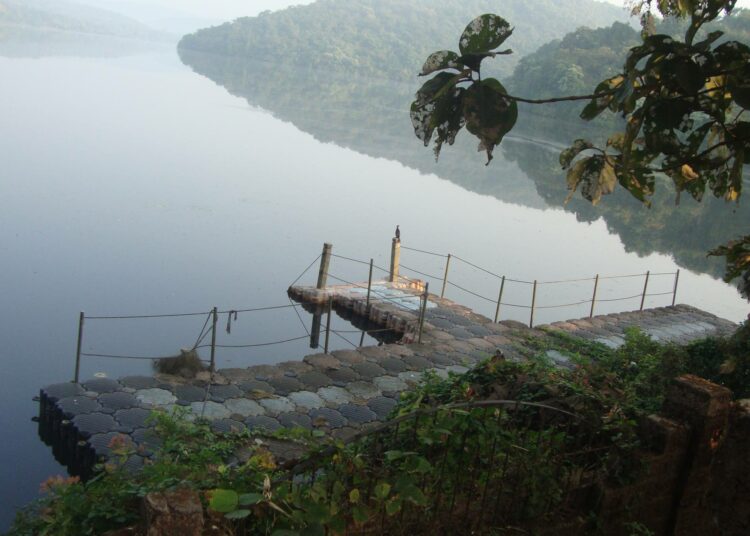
[[403, 476]]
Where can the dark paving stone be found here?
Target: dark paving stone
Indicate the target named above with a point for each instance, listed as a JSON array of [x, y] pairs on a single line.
[[284, 385], [78, 405], [133, 464], [441, 323], [139, 382], [59, 391], [256, 388], [295, 420], [219, 393], [314, 380], [327, 417], [459, 320], [189, 393], [357, 414], [368, 371], [118, 400], [132, 418], [146, 440], [392, 365], [479, 331], [441, 360], [415, 362], [227, 426], [103, 443], [94, 423], [349, 357], [461, 333], [342, 376], [382, 406], [262, 423], [102, 385]]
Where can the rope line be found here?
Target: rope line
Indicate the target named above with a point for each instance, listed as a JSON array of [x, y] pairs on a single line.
[[306, 269], [472, 293], [129, 317], [342, 337], [262, 343], [350, 259], [426, 252], [300, 319], [420, 273], [490, 273], [140, 357], [566, 281], [561, 305], [620, 299], [202, 335]]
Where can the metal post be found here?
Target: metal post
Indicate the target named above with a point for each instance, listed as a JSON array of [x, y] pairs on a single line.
[[593, 298], [395, 259], [499, 299], [533, 304], [423, 311], [78, 348], [676, 280], [328, 324], [325, 261], [215, 315], [445, 277], [645, 288], [369, 288]]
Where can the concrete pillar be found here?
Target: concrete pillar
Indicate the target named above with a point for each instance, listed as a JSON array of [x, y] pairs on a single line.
[[395, 259], [325, 261]]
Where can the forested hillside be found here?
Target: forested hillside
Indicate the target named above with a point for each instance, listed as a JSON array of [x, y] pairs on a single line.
[[392, 37], [70, 17]]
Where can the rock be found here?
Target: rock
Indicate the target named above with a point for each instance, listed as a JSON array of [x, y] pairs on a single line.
[[173, 512]]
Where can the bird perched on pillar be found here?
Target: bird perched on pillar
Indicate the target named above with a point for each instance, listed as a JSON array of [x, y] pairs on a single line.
[[398, 234]]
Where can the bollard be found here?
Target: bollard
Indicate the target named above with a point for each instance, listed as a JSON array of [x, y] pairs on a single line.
[[499, 299], [78, 348], [369, 288], [593, 298], [328, 324], [215, 315], [645, 288], [423, 311], [325, 261], [395, 259], [533, 304], [674, 292], [445, 276]]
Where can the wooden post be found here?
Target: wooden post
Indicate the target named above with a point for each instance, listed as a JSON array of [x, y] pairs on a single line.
[[593, 298], [325, 261], [674, 292], [533, 304], [215, 315], [328, 323], [78, 348], [315, 328], [395, 259], [645, 288], [423, 311], [445, 277], [369, 288], [499, 299]]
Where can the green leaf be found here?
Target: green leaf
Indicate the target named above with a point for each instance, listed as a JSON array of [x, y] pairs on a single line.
[[484, 34], [489, 114], [567, 156], [598, 104], [360, 515], [433, 107], [223, 500], [284, 532], [238, 514], [393, 506], [382, 490], [437, 61], [354, 496], [250, 498]]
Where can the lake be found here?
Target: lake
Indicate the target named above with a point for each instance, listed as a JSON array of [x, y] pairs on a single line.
[[131, 184]]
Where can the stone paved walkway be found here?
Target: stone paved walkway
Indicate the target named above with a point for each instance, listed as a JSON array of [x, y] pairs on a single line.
[[339, 392]]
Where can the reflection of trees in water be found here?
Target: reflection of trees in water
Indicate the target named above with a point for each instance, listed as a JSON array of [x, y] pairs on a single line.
[[371, 116]]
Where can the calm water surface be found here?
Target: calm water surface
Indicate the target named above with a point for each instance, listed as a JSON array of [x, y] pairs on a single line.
[[133, 185]]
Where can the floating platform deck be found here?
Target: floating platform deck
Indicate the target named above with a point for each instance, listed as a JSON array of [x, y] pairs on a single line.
[[340, 392]]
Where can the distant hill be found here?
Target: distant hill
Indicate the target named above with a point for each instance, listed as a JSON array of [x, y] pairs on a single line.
[[392, 38], [60, 15]]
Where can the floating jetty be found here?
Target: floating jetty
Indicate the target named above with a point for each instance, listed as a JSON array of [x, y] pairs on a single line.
[[339, 392]]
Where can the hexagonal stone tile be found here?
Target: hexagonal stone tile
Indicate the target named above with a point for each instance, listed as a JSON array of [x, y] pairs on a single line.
[[342, 376], [94, 423], [210, 410], [155, 397], [382, 406], [327, 417], [227, 426], [357, 414], [262, 423], [322, 361], [132, 418], [349, 357], [102, 443], [190, 393], [392, 365], [277, 405], [367, 370], [441, 322], [139, 382], [314, 380], [117, 400], [374, 352], [219, 393], [62, 390], [101, 385], [441, 360], [335, 395], [457, 369], [244, 407], [284, 385], [256, 388], [415, 362], [478, 331], [77, 405], [389, 383], [147, 440], [306, 399], [295, 420], [363, 390], [410, 377]]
